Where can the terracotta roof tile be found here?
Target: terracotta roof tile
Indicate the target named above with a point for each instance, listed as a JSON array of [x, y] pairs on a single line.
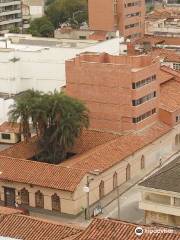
[[67, 175], [170, 96], [9, 210], [28, 228], [109, 229], [41, 174], [9, 127]]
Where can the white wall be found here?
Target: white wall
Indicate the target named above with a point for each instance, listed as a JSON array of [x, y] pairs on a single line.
[[39, 67]]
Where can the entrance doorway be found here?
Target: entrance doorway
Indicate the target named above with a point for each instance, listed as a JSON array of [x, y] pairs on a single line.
[[9, 196]]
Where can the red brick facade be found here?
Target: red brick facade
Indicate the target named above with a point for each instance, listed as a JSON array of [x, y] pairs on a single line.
[[105, 84], [111, 15]]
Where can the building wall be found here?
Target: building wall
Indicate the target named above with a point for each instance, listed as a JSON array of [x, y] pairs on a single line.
[[101, 16], [110, 15], [48, 62], [14, 138], [73, 203], [104, 83]]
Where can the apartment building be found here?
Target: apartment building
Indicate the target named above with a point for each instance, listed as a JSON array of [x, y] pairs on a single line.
[[10, 15], [121, 92], [161, 194], [111, 15]]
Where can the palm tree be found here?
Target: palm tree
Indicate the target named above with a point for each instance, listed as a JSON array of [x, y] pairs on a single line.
[[57, 118]]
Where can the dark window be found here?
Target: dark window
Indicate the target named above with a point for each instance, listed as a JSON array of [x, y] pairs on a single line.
[[39, 199], [24, 196], [6, 136], [115, 184], [55, 202], [143, 82], [177, 118], [101, 189], [144, 116]]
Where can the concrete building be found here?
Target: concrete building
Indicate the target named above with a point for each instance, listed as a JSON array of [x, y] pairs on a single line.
[[39, 63], [163, 22], [111, 15], [10, 15], [161, 194]]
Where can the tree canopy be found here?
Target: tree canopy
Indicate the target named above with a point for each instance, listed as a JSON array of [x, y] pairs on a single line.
[[59, 11], [41, 27], [57, 118]]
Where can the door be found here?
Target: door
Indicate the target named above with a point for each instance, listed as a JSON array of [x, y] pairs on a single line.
[[9, 196]]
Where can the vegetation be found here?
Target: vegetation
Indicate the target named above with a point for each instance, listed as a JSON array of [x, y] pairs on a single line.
[[60, 11], [14, 30], [41, 27], [57, 118]]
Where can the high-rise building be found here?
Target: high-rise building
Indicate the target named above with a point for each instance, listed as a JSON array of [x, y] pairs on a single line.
[[10, 15], [112, 15]]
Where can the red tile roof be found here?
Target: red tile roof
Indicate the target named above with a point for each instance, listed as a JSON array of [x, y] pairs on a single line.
[[170, 96], [167, 55], [8, 127], [29, 228], [40, 174], [109, 229], [68, 174], [9, 210]]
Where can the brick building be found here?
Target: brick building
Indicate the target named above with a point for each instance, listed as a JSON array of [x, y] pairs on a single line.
[[121, 92], [111, 15]]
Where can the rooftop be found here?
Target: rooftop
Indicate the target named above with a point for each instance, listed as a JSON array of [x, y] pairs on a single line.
[[29, 228], [8, 127], [170, 96], [166, 178], [68, 174], [106, 229]]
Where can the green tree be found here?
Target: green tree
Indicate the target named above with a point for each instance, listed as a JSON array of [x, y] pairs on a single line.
[[14, 30], [41, 27], [57, 118], [60, 11]]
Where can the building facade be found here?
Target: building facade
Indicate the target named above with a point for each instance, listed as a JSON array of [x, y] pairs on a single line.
[[127, 17], [161, 194], [10, 15]]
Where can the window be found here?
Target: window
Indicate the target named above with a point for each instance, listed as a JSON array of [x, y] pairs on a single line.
[[6, 136], [128, 172], [176, 66], [24, 196], [115, 184], [177, 139], [144, 116], [143, 82], [132, 25], [39, 199], [142, 162], [144, 99], [55, 202], [101, 189]]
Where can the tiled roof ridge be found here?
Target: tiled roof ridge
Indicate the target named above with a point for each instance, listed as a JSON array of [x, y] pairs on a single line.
[[41, 163]]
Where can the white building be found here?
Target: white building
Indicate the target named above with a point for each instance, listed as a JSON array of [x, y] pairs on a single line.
[[40, 63], [10, 15]]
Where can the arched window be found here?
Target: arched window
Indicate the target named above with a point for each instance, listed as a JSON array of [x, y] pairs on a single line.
[[101, 189], [128, 172], [142, 162], [55, 202], [39, 199], [24, 196], [115, 180], [177, 139]]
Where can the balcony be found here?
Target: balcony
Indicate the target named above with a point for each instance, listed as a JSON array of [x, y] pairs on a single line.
[[161, 208], [4, 3], [9, 21], [15, 11]]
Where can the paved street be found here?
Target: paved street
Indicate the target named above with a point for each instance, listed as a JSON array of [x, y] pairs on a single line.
[[129, 210]]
